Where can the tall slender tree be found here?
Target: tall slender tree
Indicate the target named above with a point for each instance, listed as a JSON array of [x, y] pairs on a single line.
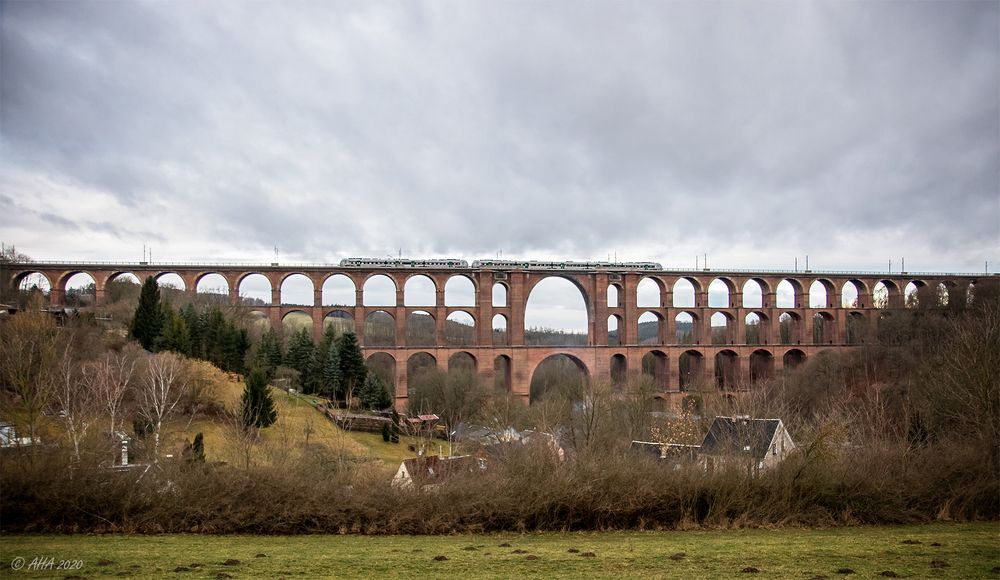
[[352, 365], [300, 356], [147, 323], [332, 376], [257, 407]]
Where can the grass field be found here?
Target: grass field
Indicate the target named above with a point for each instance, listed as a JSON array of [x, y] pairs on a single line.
[[296, 417], [928, 551]]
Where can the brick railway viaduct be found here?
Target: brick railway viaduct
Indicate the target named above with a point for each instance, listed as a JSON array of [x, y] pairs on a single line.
[[610, 293]]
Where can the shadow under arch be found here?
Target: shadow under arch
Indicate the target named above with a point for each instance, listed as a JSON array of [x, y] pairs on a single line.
[[560, 373]]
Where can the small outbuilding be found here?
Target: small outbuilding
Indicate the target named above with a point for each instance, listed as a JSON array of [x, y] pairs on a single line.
[[429, 471], [757, 444]]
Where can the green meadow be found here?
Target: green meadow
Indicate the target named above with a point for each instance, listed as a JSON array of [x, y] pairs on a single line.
[[923, 551]]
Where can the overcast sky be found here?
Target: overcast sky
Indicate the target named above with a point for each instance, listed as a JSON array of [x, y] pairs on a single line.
[[755, 132]]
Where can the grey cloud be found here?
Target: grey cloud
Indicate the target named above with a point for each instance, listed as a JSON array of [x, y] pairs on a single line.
[[465, 128]]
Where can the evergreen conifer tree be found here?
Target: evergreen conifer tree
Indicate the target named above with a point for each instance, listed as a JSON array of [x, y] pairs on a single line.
[[300, 355], [373, 393], [147, 323], [257, 406], [193, 322], [332, 377], [352, 364], [175, 335], [199, 447]]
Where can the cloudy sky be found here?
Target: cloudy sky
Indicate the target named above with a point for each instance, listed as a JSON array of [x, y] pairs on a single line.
[[755, 132]]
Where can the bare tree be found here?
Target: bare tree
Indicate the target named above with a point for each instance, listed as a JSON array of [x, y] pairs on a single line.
[[160, 389], [77, 399], [28, 352], [109, 378]]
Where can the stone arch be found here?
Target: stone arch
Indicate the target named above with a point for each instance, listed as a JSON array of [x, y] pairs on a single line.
[[614, 330], [761, 365], [651, 328], [821, 293], [755, 291], [296, 289], [720, 293], [250, 288], [722, 324], [755, 325], [383, 364], [792, 358], [419, 290], [685, 292], [500, 333], [120, 285], [727, 370], [753, 295], [790, 328], [463, 361], [502, 373], [338, 290], [690, 369], [171, 280], [885, 293], [655, 367], [340, 321], [619, 372], [823, 329], [294, 321], [378, 290], [79, 289], [460, 329], [31, 281], [942, 293], [852, 294], [686, 328], [539, 308], [541, 385], [460, 290], [380, 329], [421, 329], [856, 328], [418, 363], [614, 295], [500, 292], [258, 320], [648, 293], [915, 294], [788, 293], [211, 283]]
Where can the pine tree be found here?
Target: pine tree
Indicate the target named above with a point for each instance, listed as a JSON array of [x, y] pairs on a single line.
[[193, 322], [373, 393], [300, 355], [175, 335], [352, 364], [147, 323], [257, 406], [332, 377], [199, 447], [268, 352], [275, 354]]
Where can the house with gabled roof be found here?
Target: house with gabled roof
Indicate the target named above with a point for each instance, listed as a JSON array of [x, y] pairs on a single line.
[[430, 471], [756, 444]]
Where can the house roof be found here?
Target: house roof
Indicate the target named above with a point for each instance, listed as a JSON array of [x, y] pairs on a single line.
[[735, 435], [431, 467]]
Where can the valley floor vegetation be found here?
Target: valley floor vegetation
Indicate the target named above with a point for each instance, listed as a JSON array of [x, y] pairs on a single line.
[[924, 551], [903, 430]]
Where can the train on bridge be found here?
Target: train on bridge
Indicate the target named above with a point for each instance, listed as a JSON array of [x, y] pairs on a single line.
[[454, 263]]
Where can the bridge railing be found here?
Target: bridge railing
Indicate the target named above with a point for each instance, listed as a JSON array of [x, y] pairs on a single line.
[[337, 266]]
